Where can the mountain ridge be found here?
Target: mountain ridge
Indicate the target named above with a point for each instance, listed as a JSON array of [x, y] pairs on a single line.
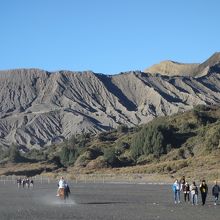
[[173, 68], [39, 108]]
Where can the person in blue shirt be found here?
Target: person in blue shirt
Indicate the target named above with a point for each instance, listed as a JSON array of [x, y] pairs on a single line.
[[176, 191]]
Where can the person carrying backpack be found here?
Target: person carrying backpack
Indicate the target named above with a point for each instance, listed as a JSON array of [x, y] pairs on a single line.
[[215, 192]]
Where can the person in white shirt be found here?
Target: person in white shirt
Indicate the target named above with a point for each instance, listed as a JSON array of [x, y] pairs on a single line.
[[194, 193], [61, 185]]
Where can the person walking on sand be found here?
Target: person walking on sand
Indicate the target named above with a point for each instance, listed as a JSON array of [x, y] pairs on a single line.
[[19, 182], [182, 182], [215, 192], [204, 191], [67, 190], [194, 193], [176, 191], [23, 182], [31, 183], [186, 191]]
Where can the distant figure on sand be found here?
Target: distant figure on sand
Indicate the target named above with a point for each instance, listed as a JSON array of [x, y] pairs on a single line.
[[19, 182], [204, 191], [23, 182], [215, 192], [194, 193], [32, 183], [186, 191], [61, 188], [67, 190], [27, 183], [176, 191], [182, 182]]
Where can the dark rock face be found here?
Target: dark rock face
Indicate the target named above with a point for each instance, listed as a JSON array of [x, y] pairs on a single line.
[[38, 108]]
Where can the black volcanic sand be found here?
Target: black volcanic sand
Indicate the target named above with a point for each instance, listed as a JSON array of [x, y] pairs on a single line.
[[100, 201]]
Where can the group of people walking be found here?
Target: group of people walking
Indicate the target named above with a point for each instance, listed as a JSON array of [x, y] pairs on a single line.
[[63, 190], [191, 192], [25, 182]]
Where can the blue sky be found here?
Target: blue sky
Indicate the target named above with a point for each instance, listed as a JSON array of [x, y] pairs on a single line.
[[106, 36]]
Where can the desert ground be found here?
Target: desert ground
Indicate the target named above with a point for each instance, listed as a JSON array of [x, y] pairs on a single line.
[[93, 201]]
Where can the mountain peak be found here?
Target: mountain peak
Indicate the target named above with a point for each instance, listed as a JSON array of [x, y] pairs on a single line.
[[211, 61], [171, 68]]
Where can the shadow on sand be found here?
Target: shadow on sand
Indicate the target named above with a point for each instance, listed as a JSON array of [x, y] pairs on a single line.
[[102, 203]]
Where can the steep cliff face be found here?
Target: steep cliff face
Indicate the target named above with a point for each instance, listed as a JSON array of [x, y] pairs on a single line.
[[38, 108]]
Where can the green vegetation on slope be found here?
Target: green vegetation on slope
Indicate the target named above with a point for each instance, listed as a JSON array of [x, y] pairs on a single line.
[[166, 144]]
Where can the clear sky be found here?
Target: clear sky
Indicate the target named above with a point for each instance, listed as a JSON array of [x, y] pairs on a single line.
[[106, 36]]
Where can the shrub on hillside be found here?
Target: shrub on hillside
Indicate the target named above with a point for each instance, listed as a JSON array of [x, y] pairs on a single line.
[[122, 128], [68, 156], [121, 147], [145, 159], [3, 153], [203, 118], [110, 157], [37, 155], [213, 141], [155, 138], [201, 108], [14, 155], [72, 148]]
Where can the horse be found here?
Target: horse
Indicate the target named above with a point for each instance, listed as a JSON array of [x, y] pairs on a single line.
[[62, 194]]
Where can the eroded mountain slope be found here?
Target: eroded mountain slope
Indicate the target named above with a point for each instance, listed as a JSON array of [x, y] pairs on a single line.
[[38, 108]]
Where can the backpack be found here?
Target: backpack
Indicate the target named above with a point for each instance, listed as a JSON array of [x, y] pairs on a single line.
[[196, 190]]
